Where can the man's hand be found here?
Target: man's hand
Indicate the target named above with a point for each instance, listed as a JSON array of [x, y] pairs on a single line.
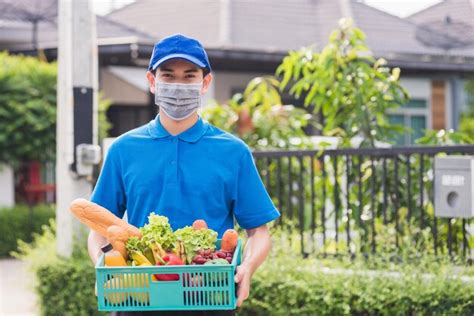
[[94, 243], [256, 250], [242, 278]]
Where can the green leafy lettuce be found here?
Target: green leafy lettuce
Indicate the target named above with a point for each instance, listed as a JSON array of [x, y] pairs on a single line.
[[158, 230], [195, 240], [135, 244]]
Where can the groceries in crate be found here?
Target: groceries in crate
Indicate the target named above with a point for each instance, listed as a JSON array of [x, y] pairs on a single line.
[[191, 244], [157, 248], [156, 243], [169, 260]]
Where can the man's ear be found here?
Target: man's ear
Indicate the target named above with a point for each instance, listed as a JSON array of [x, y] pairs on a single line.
[[206, 83], [151, 81]]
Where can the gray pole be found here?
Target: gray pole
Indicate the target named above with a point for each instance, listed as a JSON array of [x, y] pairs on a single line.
[[76, 110]]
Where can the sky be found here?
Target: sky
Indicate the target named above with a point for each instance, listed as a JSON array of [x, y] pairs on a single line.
[[401, 8]]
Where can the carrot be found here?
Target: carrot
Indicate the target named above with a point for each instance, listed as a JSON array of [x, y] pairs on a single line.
[[99, 218], [229, 240], [199, 224]]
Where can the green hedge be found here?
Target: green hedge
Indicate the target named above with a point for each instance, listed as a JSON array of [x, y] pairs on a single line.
[[15, 223], [28, 109], [76, 295], [285, 289]]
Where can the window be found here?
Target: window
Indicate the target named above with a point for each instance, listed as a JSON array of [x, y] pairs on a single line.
[[414, 115]]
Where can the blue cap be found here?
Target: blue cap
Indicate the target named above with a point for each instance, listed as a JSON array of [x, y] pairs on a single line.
[[179, 46]]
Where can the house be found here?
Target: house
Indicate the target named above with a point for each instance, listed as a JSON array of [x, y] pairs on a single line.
[[245, 38], [248, 38]]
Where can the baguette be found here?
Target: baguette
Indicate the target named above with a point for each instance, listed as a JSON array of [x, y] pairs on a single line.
[[118, 236], [99, 218]]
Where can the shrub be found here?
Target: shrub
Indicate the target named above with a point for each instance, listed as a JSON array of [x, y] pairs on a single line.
[[16, 223], [75, 296], [28, 110]]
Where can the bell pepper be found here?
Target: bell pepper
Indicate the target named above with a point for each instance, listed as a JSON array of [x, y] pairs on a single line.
[[168, 260]]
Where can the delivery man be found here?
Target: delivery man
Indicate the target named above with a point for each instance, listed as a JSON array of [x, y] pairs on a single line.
[[182, 167]]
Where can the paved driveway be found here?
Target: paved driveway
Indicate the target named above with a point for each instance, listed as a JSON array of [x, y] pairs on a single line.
[[16, 298]]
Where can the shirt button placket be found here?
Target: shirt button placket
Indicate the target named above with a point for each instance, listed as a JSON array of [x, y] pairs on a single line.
[[174, 160]]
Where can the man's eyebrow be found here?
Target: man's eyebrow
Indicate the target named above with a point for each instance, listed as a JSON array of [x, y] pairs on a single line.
[[191, 70], [166, 69]]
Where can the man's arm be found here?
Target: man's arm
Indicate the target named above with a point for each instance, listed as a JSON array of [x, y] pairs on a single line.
[[256, 251], [94, 242]]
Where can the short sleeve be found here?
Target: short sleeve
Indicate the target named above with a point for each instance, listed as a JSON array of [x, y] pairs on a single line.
[[252, 205], [109, 190]]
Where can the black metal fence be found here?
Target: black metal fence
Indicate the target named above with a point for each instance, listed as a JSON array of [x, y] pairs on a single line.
[[364, 200]]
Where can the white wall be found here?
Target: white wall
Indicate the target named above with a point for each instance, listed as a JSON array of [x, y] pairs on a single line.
[[7, 186], [419, 88], [210, 94], [225, 81], [124, 85]]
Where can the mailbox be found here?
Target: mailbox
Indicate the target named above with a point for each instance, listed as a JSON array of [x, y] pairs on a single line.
[[454, 186]]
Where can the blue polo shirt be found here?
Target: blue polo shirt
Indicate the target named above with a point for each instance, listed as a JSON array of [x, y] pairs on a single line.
[[202, 173]]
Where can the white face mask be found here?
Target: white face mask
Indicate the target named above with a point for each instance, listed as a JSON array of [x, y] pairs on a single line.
[[178, 100]]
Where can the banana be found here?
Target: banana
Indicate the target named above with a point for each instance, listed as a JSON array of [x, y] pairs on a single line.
[[182, 251], [139, 258], [149, 255], [158, 252]]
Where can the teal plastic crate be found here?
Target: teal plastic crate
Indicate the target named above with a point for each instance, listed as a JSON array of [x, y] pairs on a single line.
[[200, 287]]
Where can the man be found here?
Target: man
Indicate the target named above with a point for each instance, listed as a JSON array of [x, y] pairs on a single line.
[[184, 168]]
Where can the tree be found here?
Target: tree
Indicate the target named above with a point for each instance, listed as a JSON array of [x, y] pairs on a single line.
[[348, 88], [259, 118], [28, 110]]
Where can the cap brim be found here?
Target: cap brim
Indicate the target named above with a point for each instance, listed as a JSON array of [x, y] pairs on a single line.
[[189, 58]]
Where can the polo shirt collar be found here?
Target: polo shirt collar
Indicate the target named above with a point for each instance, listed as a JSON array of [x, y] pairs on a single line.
[[191, 135]]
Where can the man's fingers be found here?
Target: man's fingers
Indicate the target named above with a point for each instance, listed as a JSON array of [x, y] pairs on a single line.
[[238, 276], [243, 292], [243, 295]]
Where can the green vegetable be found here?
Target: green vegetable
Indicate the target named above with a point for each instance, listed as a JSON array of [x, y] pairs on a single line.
[[217, 261], [149, 255], [135, 244], [158, 230], [195, 240]]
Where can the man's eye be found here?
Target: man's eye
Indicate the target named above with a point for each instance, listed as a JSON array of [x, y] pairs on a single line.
[[166, 75], [190, 76]]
